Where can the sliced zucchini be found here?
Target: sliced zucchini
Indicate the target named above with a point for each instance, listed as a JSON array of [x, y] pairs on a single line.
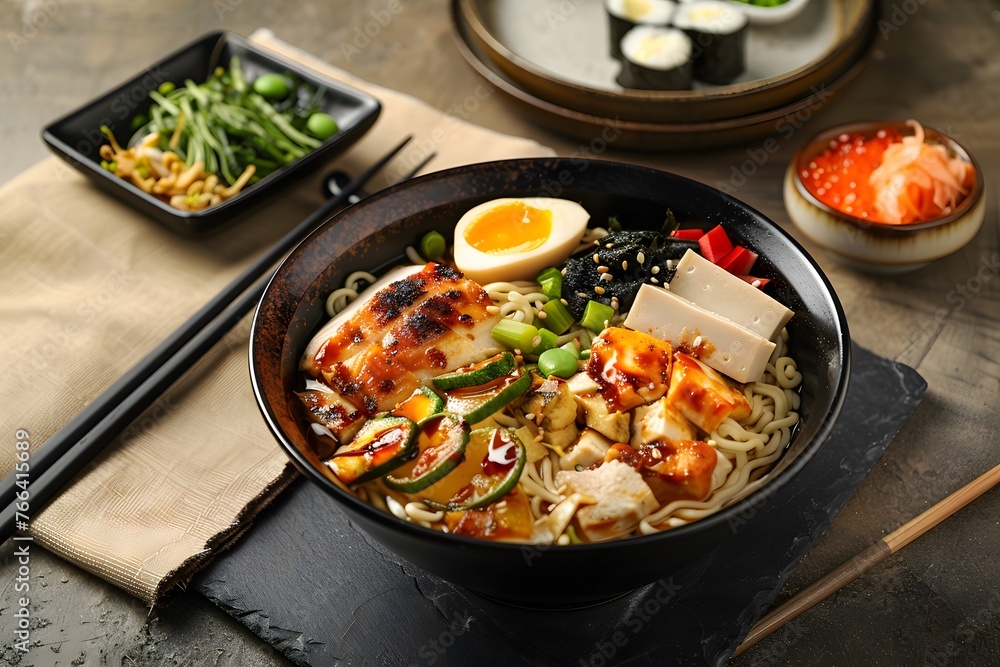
[[421, 404], [477, 373], [494, 460], [440, 447], [479, 402], [381, 445]]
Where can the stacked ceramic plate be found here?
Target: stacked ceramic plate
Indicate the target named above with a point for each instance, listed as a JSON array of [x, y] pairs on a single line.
[[560, 62]]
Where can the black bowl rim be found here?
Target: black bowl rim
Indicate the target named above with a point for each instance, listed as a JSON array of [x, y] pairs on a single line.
[[866, 128], [69, 153], [419, 532]]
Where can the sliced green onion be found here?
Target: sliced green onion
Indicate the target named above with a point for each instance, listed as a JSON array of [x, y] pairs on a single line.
[[432, 246], [550, 281], [557, 316], [546, 341], [596, 315], [515, 335]]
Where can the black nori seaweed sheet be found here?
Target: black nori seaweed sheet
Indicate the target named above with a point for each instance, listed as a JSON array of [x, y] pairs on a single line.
[[634, 75], [718, 59], [619, 27], [582, 275]]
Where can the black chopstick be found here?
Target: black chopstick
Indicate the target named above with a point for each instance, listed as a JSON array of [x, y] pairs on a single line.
[[66, 452]]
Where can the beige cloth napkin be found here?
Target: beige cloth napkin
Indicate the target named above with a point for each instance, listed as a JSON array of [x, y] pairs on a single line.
[[88, 286]]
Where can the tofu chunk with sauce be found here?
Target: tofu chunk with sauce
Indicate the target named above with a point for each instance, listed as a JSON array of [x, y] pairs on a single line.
[[631, 368], [660, 421], [586, 451], [594, 411], [623, 499], [703, 396]]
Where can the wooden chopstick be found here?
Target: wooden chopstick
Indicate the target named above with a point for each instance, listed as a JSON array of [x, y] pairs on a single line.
[[869, 558], [65, 453]]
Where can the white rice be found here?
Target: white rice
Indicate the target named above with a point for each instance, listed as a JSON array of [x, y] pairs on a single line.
[[656, 48], [710, 16], [649, 12]]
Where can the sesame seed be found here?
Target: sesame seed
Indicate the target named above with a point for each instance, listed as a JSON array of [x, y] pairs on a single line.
[[654, 281], [756, 283], [607, 276], [530, 416], [624, 265], [657, 454], [670, 264], [641, 257], [538, 438], [697, 341], [599, 290], [581, 295], [564, 302], [597, 258], [541, 314], [603, 269], [610, 245], [563, 272], [518, 351], [655, 270]]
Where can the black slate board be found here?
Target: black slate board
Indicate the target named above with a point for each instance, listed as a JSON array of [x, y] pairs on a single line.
[[321, 592]]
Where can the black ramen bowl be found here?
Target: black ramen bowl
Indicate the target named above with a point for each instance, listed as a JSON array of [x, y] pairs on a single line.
[[76, 137], [372, 235]]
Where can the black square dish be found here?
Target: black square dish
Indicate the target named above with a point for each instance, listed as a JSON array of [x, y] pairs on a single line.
[[76, 137]]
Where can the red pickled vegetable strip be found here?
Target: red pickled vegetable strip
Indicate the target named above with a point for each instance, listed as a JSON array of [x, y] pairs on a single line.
[[688, 234], [739, 260], [715, 244]]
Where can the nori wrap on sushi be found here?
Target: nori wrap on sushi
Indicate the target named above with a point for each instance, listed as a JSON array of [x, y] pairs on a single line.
[[656, 59], [718, 33], [623, 15]]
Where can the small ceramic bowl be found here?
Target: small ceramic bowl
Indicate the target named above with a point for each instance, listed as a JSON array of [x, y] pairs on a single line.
[[874, 247]]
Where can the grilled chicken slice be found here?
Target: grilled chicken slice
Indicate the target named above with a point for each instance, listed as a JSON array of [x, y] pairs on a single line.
[[401, 335]]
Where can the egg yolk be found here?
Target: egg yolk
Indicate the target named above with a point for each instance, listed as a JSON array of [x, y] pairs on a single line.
[[510, 228]]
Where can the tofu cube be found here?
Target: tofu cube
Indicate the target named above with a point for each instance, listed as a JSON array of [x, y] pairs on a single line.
[[623, 500], [703, 396], [588, 450], [660, 421], [595, 413], [631, 367]]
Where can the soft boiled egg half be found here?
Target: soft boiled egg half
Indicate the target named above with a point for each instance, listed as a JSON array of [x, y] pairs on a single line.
[[515, 239]]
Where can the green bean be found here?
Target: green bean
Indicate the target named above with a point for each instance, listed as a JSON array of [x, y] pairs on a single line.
[[558, 362]]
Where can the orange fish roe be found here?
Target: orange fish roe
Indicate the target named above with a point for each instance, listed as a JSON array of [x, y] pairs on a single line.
[[840, 177]]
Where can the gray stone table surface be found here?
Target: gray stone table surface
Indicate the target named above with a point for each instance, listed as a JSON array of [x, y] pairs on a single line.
[[941, 66]]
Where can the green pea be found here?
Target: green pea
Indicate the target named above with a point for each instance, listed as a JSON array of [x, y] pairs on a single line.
[[558, 362], [166, 87], [139, 121], [271, 86], [432, 245], [321, 125]]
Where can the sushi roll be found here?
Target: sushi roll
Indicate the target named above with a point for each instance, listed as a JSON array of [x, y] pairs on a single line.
[[719, 32], [656, 58], [627, 14]]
